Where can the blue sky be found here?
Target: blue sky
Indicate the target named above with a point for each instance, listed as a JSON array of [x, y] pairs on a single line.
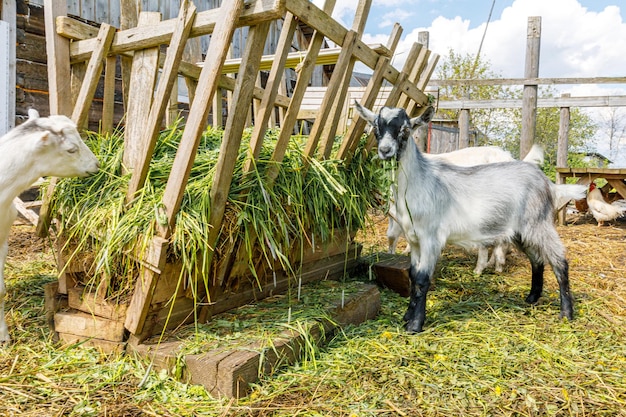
[[579, 38]]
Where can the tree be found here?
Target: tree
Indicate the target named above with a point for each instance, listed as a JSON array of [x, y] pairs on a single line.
[[612, 126]]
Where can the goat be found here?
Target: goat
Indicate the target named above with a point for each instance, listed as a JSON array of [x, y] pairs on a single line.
[[470, 157], [39, 147], [439, 203]]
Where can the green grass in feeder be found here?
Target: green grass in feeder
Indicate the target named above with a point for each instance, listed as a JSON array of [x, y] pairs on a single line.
[[270, 219]]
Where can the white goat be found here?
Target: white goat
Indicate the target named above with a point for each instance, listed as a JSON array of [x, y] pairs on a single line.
[[469, 157], [39, 147], [439, 203], [472, 156]]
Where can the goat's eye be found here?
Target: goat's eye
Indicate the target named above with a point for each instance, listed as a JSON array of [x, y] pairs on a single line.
[[73, 149]]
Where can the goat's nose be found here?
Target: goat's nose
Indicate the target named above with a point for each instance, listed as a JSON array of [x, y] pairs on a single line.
[[385, 149]]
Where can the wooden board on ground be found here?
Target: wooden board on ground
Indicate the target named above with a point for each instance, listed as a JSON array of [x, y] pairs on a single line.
[[229, 371], [392, 271]]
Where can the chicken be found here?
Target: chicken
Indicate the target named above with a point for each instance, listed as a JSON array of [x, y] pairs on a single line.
[[600, 209]]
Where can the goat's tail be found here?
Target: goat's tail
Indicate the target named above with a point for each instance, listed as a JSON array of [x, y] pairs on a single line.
[[535, 155]]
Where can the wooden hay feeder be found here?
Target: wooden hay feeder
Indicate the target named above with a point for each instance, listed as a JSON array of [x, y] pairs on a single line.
[[78, 52]]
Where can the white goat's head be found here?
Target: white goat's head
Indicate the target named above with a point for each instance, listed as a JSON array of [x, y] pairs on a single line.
[[393, 127], [60, 150]]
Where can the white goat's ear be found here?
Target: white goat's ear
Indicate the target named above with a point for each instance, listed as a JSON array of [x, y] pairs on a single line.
[[424, 118], [33, 114], [366, 114]]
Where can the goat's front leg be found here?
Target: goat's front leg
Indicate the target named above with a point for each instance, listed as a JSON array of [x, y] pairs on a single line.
[[420, 275], [4, 329]]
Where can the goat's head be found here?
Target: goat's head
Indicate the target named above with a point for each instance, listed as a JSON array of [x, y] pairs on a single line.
[[393, 128], [61, 149]]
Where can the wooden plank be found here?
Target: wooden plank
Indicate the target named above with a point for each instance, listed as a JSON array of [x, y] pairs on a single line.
[[199, 110], [89, 302], [231, 141], [169, 76], [86, 325], [526, 81], [106, 346], [599, 101], [207, 22], [108, 101], [230, 371], [143, 76], [58, 64], [92, 74], [392, 271], [271, 88], [334, 87], [529, 95], [29, 214]]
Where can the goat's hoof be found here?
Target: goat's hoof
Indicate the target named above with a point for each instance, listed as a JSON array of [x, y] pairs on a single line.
[[532, 298], [569, 315], [412, 327]]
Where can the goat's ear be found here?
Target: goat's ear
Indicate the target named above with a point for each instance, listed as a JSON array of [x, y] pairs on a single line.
[[424, 118], [366, 114]]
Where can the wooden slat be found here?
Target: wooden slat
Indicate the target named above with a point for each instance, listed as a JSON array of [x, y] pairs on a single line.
[[59, 74], [143, 76], [168, 77], [271, 88], [329, 129], [199, 110], [92, 74], [291, 115], [595, 101], [317, 19], [333, 88], [231, 142], [108, 100], [357, 125]]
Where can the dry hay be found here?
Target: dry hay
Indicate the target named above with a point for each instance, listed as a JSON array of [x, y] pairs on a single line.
[[484, 352]]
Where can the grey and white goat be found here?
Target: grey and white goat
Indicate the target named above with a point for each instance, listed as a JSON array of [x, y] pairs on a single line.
[[42, 146], [439, 203]]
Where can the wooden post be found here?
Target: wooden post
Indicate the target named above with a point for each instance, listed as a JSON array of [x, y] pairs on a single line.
[[529, 99], [561, 152], [129, 17], [108, 101], [199, 111], [8, 14], [464, 128]]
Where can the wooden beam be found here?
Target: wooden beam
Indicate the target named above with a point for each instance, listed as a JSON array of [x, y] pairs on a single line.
[[168, 77], [529, 95], [58, 62], [526, 81], [199, 110], [601, 101], [253, 12]]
